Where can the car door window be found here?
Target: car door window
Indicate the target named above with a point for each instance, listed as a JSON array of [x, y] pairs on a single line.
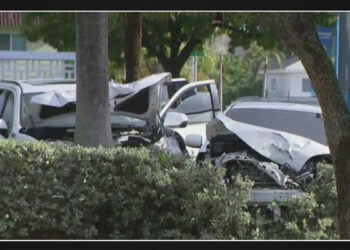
[[8, 111], [3, 96], [196, 104]]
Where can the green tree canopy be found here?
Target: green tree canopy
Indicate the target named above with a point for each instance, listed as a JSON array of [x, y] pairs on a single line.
[[170, 37], [58, 30], [244, 28], [55, 28]]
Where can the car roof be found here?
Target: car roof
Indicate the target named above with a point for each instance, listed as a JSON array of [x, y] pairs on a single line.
[[276, 105], [60, 84], [44, 85]]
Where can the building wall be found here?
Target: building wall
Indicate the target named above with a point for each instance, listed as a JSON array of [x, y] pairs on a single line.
[[39, 46], [9, 30], [298, 66], [296, 87], [277, 85], [287, 84], [23, 65], [22, 59]]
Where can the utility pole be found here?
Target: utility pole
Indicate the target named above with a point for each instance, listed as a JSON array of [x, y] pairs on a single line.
[[195, 68], [221, 46], [265, 79], [194, 65], [336, 55], [221, 85]]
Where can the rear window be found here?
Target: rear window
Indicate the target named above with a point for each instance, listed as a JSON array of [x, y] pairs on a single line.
[[306, 124]]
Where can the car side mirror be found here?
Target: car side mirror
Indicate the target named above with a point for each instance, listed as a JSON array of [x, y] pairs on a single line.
[[175, 120], [193, 140]]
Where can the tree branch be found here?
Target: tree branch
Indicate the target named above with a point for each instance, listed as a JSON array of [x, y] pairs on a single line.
[[175, 42], [151, 47], [186, 51]]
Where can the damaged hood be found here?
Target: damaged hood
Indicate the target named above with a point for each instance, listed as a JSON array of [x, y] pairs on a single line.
[[123, 98], [281, 147]]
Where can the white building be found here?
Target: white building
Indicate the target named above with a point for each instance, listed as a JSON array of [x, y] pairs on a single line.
[[288, 80], [23, 59]]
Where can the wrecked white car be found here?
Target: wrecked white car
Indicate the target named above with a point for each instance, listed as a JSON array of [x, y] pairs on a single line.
[[276, 144], [45, 110]]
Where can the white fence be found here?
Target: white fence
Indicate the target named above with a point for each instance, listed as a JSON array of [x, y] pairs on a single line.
[[18, 65]]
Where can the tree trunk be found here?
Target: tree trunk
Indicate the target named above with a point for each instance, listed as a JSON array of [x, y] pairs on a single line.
[[342, 176], [171, 65], [133, 38], [93, 126], [297, 31], [178, 57]]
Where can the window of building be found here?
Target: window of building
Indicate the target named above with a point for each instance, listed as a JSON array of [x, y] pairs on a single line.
[[306, 85], [272, 88], [12, 42], [18, 43], [273, 84], [4, 42]]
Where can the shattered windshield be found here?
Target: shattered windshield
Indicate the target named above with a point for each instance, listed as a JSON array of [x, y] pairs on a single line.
[[36, 115]]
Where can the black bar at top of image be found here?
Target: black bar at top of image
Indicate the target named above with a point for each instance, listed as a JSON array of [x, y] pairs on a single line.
[[171, 5], [173, 244]]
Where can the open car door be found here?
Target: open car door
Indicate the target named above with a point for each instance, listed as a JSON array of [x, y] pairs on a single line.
[[200, 102]]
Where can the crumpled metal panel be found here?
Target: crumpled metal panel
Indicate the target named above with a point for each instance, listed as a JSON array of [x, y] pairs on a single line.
[[169, 144], [281, 147]]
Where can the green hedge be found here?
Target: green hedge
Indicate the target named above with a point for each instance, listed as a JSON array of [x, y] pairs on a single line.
[[311, 217], [53, 191]]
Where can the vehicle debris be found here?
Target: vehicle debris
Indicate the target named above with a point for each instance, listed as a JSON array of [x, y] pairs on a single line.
[[277, 145], [241, 163]]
